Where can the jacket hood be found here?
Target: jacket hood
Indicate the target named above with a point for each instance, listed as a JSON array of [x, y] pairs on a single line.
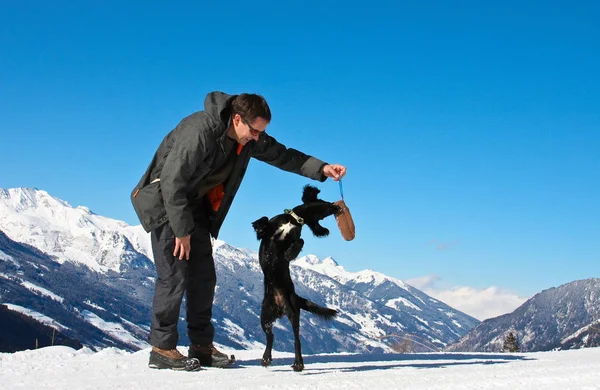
[[217, 104]]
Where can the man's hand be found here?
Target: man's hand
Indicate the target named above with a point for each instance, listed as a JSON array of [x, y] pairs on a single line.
[[334, 171], [182, 247]]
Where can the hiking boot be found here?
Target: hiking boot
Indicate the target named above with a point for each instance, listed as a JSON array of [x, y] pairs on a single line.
[[172, 359], [209, 356]]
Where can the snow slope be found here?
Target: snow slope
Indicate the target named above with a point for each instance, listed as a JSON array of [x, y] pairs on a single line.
[[64, 368]]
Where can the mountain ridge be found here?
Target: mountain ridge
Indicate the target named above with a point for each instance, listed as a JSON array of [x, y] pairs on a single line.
[[563, 317], [113, 286]]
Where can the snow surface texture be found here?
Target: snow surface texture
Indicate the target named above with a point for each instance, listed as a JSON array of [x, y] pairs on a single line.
[[65, 368]]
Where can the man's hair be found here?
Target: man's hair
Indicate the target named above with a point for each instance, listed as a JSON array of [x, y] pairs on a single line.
[[251, 106]]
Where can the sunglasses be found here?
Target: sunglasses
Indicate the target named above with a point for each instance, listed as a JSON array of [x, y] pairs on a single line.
[[253, 131]]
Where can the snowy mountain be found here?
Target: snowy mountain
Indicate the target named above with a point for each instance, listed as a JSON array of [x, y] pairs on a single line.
[[99, 310], [72, 233], [564, 317], [93, 278]]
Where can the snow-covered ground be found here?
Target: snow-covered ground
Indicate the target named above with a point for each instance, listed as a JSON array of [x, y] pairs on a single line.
[[61, 367]]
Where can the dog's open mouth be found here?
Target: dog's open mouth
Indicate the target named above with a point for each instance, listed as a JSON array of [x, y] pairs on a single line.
[[339, 210]]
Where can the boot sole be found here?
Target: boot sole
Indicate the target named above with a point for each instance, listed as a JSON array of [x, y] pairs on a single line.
[[159, 366], [229, 363]]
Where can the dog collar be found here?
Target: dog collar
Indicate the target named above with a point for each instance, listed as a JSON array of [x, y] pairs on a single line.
[[293, 214]]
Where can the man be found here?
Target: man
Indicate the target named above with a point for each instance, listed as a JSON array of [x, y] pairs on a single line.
[[183, 199]]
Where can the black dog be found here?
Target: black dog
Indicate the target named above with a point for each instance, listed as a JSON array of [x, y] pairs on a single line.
[[280, 244]]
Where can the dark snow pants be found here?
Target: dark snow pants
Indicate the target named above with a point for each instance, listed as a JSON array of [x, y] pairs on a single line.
[[196, 277]]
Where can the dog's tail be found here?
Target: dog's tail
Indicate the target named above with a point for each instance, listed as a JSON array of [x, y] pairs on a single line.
[[312, 307]]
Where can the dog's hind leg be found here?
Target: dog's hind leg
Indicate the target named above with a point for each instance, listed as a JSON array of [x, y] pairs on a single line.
[[294, 316], [267, 358], [266, 321]]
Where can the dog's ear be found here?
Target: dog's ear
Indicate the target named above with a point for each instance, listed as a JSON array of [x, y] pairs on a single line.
[[310, 194], [260, 227]]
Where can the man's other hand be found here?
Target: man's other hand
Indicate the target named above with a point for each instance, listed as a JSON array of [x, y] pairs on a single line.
[[182, 247]]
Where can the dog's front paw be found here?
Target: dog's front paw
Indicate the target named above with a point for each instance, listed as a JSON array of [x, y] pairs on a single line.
[[298, 366], [294, 250]]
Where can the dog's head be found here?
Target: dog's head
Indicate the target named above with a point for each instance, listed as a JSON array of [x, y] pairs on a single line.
[[312, 211]]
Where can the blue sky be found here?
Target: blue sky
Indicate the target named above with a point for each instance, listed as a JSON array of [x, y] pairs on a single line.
[[471, 131]]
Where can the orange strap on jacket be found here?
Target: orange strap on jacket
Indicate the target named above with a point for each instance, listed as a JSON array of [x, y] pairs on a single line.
[[215, 195]]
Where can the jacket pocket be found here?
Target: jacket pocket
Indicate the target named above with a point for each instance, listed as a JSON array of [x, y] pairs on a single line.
[[149, 207]]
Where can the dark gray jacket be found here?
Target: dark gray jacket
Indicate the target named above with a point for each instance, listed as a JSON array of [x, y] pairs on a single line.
[[189, 153]]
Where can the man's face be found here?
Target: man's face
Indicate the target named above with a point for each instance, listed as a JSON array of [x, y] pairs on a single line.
[[247, 131]]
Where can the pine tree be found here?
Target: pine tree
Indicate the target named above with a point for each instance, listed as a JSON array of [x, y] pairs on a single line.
[[511, 344]]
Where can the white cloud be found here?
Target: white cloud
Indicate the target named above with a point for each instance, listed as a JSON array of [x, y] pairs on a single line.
[[423, 282], [479, 303]]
